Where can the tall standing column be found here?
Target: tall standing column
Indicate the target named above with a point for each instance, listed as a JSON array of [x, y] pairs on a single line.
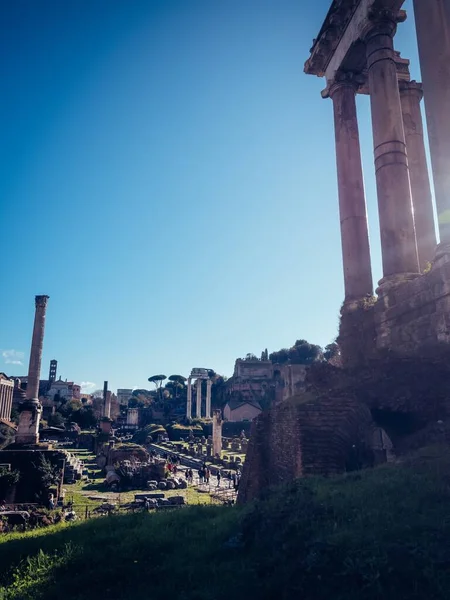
[[410, 97], [37, 342], [208, 398], [189, 399], [433, 38], [398, 239], [352, 201], [198, 407], [31, 409]]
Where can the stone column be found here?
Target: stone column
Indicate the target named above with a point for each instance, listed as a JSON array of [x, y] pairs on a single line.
[[208, 398], [11, 391], [106, 401], [34, 369], [217, 432], [198, 407], [31, 409], [433, 38], [189, 399], [352, 201], [398, 239], [410, 97]]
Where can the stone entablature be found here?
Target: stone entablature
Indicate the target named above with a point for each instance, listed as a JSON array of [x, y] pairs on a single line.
[[339, 40]]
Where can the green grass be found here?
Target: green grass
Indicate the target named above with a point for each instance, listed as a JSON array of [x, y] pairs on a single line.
[[380, 534]]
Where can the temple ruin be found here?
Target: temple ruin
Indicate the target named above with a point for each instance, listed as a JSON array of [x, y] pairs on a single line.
[[200, 375], [354, 52], [392, 394]]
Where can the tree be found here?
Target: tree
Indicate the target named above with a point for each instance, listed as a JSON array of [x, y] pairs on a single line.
[[178, 382], [250, 356], [332, 353], [7, 480], [157, 380]]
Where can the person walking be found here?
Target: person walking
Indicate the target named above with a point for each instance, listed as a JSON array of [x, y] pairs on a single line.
[[218, 478]]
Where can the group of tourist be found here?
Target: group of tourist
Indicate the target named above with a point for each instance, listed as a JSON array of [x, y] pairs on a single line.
[[204, 474]]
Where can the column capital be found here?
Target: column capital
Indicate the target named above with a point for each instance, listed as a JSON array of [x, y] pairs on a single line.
[[343, 79], [41, 301], [382, 21], [411, 88]]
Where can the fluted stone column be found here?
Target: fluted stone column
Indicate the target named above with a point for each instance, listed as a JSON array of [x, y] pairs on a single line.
[[31, 409], [433, 38], [189, 399], [198, 406], [410, 97], [398, 239], [208, 398], [352, 201]]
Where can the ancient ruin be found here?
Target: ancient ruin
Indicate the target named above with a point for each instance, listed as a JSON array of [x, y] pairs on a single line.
[[199, 375], [355, 53], [31, 408], [391, 396]]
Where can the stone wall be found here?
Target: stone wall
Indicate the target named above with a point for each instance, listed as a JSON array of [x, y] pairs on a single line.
[[298, 439], [409, 319], [330, 428]]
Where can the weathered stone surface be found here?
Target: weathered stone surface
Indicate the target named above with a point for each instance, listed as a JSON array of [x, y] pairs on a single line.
[[411, 319]]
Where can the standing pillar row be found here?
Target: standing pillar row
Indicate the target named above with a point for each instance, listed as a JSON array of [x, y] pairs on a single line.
[[398, 239], [410, 96], [433, 38], [352, 201]]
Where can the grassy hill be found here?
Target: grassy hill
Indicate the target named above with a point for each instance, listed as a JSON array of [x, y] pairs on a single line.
[[377, 534]]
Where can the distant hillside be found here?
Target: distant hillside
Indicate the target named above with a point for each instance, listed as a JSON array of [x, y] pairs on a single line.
[[372, 535]]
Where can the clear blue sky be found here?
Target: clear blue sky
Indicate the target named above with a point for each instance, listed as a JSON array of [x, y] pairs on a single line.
[[168, 179]]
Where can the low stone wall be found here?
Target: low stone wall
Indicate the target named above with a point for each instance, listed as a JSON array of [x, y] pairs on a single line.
[[410, 319], [294, 440]]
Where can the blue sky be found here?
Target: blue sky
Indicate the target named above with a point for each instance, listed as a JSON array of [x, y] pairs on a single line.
[[168, 179]]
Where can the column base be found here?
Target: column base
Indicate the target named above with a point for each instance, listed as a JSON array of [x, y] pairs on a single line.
[[391, 281]]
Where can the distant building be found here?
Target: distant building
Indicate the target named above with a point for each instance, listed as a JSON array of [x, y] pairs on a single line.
[[6, 397], [241, 410], [66, 390], [123, 395]]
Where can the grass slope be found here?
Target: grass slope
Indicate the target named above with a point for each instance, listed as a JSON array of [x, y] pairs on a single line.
[[377, 534]]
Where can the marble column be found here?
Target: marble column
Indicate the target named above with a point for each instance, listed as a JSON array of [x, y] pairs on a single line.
[[410, 97], [398, 238], [433, 38], [31, 409], [198, 406], [34, 368], [208, 398], [352, 201], [189, 399]]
